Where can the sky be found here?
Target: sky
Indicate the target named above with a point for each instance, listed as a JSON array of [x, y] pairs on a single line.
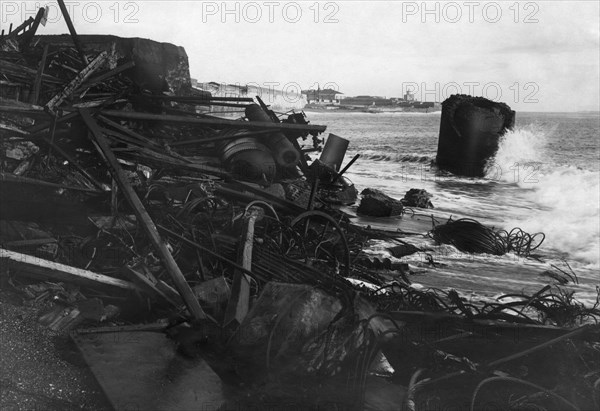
[[532, 55]]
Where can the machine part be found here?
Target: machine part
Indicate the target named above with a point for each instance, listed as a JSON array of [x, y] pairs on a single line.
[[284, 152], [334, 151], [249, 159]]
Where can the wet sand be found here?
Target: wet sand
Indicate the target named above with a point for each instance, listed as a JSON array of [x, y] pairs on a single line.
[[40, 370]]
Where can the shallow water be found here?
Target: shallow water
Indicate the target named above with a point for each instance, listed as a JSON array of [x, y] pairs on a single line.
[[545, 177]]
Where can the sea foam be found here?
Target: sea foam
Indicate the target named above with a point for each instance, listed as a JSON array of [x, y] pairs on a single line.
[[568, 197]]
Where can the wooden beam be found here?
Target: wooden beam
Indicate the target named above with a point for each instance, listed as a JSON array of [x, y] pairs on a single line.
[[37, 85], [105, 76], [44, 269], [239, 302], [28, 35], [76, 82], [74, 36], [11, 178], [147, 284], [145, 140], [15, 32], [74, 163], [143, 217], [134, 115], [22, 110], [193, 99], [41, 129]]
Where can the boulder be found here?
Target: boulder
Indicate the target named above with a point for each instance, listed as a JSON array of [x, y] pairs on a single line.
[[375, 203], [417, 198]]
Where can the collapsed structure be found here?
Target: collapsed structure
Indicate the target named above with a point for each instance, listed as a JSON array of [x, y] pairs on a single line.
[[132, 206]]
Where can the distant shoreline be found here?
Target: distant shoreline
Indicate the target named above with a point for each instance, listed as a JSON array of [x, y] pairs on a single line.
[[374, 110]]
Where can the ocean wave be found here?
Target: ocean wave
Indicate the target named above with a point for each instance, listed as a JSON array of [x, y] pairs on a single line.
[[568, 197], [519, 150], [386, 156], [569, 213]]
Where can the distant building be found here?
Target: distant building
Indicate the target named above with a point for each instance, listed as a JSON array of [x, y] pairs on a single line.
[[279, 100], [367, 101], [409, 96], [325, 96]]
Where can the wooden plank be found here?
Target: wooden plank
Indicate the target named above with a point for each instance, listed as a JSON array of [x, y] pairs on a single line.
[[33, 110], [76, 82], [15, 32], [134, 115], [11, 178], [143, 217], [28, 35], [37, 85], [239, 303], [41, 129], [147, 284], [204, 99], [105, 76], [176, 163], [157, 326], [44, 269], [130, 132], [74, 163], [29, 243]]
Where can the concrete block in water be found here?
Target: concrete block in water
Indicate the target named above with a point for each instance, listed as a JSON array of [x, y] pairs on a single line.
[[470, 129]]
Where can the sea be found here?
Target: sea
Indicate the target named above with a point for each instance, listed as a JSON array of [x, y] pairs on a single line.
[[545, 178]]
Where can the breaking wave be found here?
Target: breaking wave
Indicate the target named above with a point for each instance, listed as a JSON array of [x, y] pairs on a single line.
[[567, 197]]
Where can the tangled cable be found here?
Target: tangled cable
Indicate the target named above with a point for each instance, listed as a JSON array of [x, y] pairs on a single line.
[[471, 236]]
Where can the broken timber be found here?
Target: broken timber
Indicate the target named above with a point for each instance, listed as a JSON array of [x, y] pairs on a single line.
[[76, 41], [38, 78], [132, 198], [239, 302], [77, 81], [38, 267], [133, 115]]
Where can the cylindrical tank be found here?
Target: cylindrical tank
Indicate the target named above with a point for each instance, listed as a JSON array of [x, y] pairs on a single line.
[[470, 129], [248, 159], [284, 152]]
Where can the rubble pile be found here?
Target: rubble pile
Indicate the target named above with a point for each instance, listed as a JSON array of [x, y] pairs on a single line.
[[131, 207]]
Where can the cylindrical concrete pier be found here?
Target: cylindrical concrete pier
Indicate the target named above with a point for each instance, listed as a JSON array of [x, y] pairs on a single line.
[[470, 129]]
